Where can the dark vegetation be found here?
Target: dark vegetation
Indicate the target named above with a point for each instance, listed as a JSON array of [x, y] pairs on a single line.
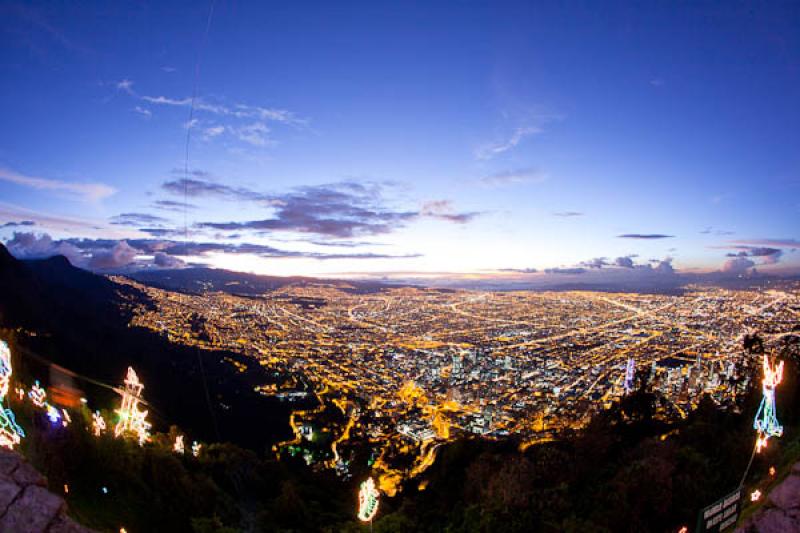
[[626, 471]]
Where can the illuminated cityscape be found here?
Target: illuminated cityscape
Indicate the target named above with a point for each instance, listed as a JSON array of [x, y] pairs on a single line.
[[411, 368]]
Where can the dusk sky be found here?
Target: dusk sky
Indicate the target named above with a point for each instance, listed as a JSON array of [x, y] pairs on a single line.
[[378, 137]]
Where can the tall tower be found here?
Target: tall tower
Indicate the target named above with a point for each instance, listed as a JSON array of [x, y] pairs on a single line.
[[629, 373]]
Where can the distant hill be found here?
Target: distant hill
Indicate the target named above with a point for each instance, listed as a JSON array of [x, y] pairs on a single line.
[[200, 279]]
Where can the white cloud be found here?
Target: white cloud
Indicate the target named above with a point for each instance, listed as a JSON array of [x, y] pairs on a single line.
[[488, 151], [83, 191], [143, 111]]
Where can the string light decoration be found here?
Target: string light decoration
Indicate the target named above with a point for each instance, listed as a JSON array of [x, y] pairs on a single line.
[[178, 446], [766, 423], [368, 500], [20, 393], [37, 394], [131, 419], [98, 424], [10, 432]]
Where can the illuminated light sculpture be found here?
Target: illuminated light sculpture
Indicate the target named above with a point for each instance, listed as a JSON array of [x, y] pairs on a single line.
[[766, 423], [53, 414], [772, 471], [20, 393], [755, 495], [178, 446], [10, 432], [131, 419], [367, 500], [98, 424], [196, 447], [629, 372], [37, 394]]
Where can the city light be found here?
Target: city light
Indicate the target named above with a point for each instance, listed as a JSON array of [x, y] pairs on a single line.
[[367, 500], [10, 432]]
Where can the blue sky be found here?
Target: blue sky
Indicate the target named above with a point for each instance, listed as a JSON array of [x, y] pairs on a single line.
[[472, 137]]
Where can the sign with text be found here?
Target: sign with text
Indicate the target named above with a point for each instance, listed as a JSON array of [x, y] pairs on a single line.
[[721, 514]]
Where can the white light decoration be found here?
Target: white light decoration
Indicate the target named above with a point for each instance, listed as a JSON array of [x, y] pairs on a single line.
[[37, 394], [98, 424], [196, 447], [755, 495], [10, 432], [178, 446], [131, 419], [368, 500], [766, 423]]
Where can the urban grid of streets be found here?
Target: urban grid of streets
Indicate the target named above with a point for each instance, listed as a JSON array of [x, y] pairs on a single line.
[[411, 368]]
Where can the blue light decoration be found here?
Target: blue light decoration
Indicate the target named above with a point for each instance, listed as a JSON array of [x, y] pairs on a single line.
[[766, 423], [53, 414], [10, 432]]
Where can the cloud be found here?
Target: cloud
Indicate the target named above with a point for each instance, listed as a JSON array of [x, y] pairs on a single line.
[[567, 214], [130, 254], [171, 205], [519, 270], [624, 262], [443, 210], [213, 131], [83, 191], [164, 260], [597, 262], [645, 236], [340, 210], [513, 177], [490, 150], [737, 265], [143, 111], [27, 245], [708, 231], [665, 266], [18, 224], [769, 251], [254, 133], [197, 188], [778, 243], [137, 219], [125, 85], [120, 255], [239, 111], [562, 270]]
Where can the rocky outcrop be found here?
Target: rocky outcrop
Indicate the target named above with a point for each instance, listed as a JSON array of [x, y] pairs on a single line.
[[781, 511], [26, 506]]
